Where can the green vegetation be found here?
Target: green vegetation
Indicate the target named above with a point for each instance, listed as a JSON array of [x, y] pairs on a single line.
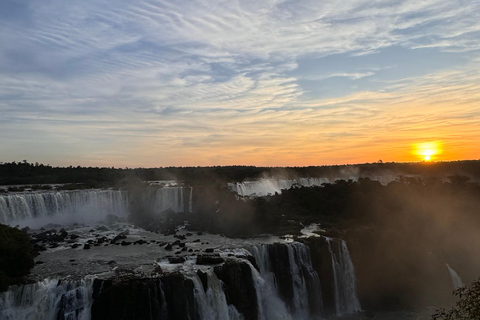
[[466, 308], [16, 255], [24, 172]]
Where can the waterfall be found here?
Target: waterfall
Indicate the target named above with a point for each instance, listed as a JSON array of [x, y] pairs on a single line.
[[82, 206], [456, 280], [345, 291], [285, 286], [50, 299], [264, 187], [306, 298], [173, 198], [211, 304]]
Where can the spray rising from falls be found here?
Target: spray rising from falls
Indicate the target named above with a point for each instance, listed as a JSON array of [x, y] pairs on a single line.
[[81, 206], [264, 187]]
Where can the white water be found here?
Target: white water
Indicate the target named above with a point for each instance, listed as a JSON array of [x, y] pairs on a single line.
[[345, 291], [264, 187], [173, 198], [456, 280], [271, 306], [212, 304], [83, 206], [46, 300]]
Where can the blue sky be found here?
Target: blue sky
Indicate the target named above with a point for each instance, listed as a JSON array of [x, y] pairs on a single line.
[[160, 83]]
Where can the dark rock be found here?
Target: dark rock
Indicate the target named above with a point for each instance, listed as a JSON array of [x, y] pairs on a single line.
[[63, 233], [279, 261], [120, 236], [38, 247], [209, 250], [73, 236], [39, 262], [128, 300], [86, 246], [322, 263], [209, 259], [54, 245], [176, 260], [181, 245], [126, 243], [179, 297], [102, 228], [101, 240], [204, 279], [251, 259], [168, 247], [188, 234], [76, 245], [200, 233], [239, 288], [178, 252], [197, 240]]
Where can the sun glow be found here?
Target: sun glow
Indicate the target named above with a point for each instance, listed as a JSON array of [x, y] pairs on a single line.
[[428, 150]]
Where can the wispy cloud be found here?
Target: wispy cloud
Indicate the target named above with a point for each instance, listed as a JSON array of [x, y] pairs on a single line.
[[206, 82]]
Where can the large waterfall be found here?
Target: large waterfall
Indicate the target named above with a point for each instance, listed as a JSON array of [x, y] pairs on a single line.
[[265, 187], [178, 199], [81, 206], [279, 282]]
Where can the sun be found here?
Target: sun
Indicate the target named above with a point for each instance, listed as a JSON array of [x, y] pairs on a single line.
[[428, 151]]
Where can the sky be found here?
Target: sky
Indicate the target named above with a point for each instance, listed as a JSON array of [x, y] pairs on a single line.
[[152, 83]]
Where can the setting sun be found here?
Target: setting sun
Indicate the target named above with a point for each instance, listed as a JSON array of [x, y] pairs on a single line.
[[428, 150]]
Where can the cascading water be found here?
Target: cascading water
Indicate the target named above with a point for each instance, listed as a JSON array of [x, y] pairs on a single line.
[[173, 198], [51, 299], [62, 206], [265, 187], [212, 298], [456, 280], [212, 303], [345, 291], [306, 296]]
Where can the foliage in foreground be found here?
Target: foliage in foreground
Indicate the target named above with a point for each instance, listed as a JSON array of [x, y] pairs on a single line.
[[468, 306], [16, 255]]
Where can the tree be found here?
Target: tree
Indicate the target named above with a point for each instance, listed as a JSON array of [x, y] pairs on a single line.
[[467, 308]]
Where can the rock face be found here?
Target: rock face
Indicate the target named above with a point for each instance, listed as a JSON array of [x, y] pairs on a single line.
[[279, 262], [129, 300], [331, 260], [322, 263], [239, 288], [170, 297]]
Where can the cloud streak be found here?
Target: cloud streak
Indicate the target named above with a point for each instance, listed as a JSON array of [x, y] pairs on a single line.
[[217, 82]]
